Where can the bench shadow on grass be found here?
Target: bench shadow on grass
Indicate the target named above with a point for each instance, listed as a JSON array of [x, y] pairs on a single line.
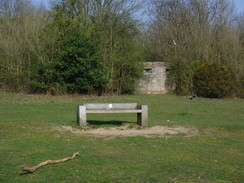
[[22, 174], [109, 123]]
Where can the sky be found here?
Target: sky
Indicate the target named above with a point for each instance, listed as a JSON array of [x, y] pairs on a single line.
[[238, 3]]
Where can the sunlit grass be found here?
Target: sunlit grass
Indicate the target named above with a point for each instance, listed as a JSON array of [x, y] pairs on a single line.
[[27, 138]]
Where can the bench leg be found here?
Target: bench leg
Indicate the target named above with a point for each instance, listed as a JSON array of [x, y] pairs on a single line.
[[142, 118], [81, 115]]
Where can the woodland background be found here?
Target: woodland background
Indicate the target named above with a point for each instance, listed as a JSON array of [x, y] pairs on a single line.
[[96, 46]]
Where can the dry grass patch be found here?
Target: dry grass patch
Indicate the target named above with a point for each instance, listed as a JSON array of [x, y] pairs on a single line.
[[128, 131]]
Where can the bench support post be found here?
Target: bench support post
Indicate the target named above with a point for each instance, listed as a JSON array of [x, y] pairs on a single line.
[[142, 118], [81, 115]]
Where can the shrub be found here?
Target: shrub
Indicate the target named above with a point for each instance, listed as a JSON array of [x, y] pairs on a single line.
[[214, 80], [41, 77], [181, 77], [76, 68], [240, 87]]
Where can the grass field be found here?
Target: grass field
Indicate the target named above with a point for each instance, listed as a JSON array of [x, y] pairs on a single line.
[[215, 154]]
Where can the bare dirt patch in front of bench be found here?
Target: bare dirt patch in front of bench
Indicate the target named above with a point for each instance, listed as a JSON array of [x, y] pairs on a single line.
[[126, 131]]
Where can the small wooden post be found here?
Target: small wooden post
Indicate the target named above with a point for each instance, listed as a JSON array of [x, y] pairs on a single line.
[[81, 115], [142, 118]]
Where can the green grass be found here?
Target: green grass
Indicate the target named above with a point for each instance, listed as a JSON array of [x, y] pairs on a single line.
[[27, 138]]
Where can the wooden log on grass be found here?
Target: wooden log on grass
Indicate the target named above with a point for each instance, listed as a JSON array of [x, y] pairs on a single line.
[[34, 168]]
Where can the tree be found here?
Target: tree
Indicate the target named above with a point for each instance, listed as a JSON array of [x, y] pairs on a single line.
[[75, 68], [190, 32], [117, 30], [119, 46], [20, 27], [75, 65]]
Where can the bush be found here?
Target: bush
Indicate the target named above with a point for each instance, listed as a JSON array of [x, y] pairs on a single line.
[[76, 68], [40, 78], [214, 81], [181, 77], [240, 87]]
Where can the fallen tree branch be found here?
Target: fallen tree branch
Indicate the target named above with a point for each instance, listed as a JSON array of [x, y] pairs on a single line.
[[34, 168]]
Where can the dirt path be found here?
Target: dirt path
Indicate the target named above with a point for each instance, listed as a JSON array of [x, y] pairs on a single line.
[[125, 131]]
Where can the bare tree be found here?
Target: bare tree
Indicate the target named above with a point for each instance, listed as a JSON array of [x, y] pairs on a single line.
[[20, 25], [194, 31]]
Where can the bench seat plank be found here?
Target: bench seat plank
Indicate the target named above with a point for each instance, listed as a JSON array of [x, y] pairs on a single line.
[[114, 111], [110, 106]]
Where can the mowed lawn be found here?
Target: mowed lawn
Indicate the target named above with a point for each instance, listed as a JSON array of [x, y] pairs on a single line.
[[215, 154]]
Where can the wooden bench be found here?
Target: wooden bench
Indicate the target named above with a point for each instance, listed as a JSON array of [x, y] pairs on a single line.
[[100, 108]]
